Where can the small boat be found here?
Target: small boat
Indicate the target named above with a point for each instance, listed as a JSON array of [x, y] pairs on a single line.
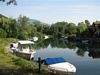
[[35, 38], [59, 65], [23, 48]]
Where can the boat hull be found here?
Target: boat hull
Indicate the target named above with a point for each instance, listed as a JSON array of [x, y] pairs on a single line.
[[62, 67], [28, 56]]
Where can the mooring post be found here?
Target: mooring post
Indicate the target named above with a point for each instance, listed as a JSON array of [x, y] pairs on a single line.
[[39, 63]]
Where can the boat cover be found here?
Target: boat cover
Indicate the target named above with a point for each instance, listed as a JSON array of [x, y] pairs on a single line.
[[50, 61]]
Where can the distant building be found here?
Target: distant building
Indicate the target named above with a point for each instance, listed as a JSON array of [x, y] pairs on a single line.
[[97, 25], [95, 29]]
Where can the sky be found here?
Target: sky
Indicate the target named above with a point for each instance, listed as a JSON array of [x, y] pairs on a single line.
[[52, 11]]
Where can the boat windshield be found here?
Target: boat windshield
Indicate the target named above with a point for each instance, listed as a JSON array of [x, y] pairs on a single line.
[[27, 46]]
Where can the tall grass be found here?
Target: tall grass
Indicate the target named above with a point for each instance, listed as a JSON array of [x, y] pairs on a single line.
[[13, 65], [23, 63], [4, 42], [10, 59]]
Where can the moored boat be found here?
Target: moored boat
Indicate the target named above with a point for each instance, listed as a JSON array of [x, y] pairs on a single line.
[[23, 48], [59, 65]]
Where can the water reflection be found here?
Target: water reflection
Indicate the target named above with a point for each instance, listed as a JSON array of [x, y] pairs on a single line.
[[84, 56], [92, 49]]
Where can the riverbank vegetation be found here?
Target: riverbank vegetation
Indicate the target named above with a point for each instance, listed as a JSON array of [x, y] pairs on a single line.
[[25, 28]]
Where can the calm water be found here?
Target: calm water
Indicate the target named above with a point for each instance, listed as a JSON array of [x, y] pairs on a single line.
[[86, 57]]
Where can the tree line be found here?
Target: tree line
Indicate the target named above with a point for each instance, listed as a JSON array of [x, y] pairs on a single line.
[[22, 28]]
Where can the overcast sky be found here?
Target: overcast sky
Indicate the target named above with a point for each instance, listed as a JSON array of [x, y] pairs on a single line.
[[51, 11]]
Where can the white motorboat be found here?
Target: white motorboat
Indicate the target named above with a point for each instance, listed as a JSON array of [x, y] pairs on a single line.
[[60, 65], [23, 48]]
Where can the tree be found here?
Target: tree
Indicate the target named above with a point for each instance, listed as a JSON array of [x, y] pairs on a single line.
[[82, 27], [8, 2], [72, 28], [23, 25], [31, 30], [13, 27], [23, 21], [41, 27], [9, 25], [59, 29], [23, 35], [3, 34], [87, 22]]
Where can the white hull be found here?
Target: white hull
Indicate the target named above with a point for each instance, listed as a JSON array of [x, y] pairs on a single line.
[[24, 54], [62, 67]]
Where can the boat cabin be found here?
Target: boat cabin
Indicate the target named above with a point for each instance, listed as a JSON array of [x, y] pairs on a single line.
[[23, 48]]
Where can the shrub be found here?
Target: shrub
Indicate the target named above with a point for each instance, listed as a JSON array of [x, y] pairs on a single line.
[[3, 34]]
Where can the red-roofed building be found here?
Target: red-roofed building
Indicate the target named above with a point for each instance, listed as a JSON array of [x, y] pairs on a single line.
[[96, 28]]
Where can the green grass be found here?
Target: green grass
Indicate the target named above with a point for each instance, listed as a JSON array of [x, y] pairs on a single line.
[[13, 65], [8, 60], [5, 58]]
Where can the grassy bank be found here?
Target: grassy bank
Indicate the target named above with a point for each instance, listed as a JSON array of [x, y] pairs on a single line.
[[13, 65]]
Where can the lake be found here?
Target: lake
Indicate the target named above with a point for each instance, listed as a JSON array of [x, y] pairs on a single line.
[[86, 57]]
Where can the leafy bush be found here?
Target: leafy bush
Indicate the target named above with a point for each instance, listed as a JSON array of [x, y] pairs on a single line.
[[23, 35], [3, 34]]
